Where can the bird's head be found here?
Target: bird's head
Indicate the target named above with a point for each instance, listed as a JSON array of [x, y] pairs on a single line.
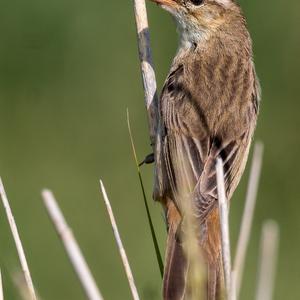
[[197, 19]]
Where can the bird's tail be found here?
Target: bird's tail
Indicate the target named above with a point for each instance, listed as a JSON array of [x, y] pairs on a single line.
[[175, 260], [176, 275], [213, 255]]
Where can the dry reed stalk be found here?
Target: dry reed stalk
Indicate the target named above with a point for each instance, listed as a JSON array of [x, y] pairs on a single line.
[[233, 295], [195, 274], [80, 266], [224, 223], [1, 287], [121, 248], [18, 243], [20, 284], [248, 213], [148, 74], [268, 259]]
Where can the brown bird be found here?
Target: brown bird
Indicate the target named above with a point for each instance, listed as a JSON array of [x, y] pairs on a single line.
[[207, 109]]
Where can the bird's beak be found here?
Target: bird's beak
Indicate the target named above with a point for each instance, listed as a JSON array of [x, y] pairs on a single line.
[[170, 3]]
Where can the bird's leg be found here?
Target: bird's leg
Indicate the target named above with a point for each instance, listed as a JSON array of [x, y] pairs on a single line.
[[149, 159]]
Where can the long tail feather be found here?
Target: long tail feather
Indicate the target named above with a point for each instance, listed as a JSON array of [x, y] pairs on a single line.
[[175, 264], [176, 285]]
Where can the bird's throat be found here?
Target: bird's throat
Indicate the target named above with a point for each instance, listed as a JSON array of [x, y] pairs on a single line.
[[190, 35]]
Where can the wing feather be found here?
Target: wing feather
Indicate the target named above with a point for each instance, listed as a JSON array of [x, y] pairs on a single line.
[[194, 134]]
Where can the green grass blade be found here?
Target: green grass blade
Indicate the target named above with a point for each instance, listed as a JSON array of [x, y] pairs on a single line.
[[154, 239]]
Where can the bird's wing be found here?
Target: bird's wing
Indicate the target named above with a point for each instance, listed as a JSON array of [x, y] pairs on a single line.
[[195, 135]]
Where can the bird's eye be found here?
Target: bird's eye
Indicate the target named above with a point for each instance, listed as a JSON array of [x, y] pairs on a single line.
[[197, 2]]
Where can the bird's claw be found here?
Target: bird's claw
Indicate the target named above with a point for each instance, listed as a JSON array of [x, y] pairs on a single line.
[[149, 159]]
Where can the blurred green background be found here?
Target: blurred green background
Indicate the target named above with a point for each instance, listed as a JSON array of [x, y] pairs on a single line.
[[68, 71]]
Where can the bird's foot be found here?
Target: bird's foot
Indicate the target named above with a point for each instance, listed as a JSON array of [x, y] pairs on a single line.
[[149, 159]]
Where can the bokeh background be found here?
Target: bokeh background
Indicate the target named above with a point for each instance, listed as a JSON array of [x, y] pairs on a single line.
[[68, 71]]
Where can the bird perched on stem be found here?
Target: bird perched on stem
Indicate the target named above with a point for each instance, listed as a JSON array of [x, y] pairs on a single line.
[[207, 109]]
